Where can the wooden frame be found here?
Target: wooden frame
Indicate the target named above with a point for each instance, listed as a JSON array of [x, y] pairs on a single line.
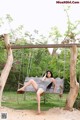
[[44, 46], [74, 85]]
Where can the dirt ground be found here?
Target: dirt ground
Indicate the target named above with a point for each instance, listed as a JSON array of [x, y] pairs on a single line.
[[51, 114]]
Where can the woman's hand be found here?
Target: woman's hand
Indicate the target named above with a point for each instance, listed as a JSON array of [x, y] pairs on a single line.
[[44, 77]]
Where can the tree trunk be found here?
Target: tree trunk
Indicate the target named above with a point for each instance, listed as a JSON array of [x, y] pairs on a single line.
[[74, 85], [7, 67]]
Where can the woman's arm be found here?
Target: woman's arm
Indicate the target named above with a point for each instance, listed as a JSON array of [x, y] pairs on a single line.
[[44, 77]]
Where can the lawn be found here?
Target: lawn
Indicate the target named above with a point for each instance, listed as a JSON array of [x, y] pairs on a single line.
[[17, 101]]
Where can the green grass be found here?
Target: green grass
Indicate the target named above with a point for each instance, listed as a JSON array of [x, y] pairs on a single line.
[[16, 101]]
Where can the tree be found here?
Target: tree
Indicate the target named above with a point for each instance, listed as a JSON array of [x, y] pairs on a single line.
[[74, 85], [72, 31], [55, 33], [7, 67]]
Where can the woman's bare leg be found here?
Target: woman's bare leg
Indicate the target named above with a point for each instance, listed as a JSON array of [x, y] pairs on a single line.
[[39, 92], [30, 82]]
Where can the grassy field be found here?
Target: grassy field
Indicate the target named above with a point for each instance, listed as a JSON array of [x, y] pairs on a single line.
[[17, 101]]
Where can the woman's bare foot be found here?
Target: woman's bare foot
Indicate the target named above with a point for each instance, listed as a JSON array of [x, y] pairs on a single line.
[[39, 112], [21, 90]]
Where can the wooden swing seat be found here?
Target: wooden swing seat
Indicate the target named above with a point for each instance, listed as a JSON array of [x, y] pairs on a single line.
[[59, 85]]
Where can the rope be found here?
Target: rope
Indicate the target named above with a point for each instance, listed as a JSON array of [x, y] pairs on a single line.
[[29, 64]]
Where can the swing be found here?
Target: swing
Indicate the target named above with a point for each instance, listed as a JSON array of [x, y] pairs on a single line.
[[59, 83]]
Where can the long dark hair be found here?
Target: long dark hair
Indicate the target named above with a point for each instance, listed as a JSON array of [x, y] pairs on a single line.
[[50, 73]]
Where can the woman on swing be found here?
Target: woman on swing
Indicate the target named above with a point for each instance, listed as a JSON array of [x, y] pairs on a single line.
[[46, 83]]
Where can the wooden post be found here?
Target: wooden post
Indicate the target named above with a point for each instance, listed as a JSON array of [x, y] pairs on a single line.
[[7, 67], [74, 85]]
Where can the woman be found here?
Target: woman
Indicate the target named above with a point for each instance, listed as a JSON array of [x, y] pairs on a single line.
[[46, 83]]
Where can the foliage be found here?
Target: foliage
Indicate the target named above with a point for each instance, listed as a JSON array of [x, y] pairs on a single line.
[[77, 102], [72, 28], [34, 62], [2, 55], [55, 34]]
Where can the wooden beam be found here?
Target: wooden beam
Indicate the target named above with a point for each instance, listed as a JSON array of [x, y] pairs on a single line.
[[44, 46]]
